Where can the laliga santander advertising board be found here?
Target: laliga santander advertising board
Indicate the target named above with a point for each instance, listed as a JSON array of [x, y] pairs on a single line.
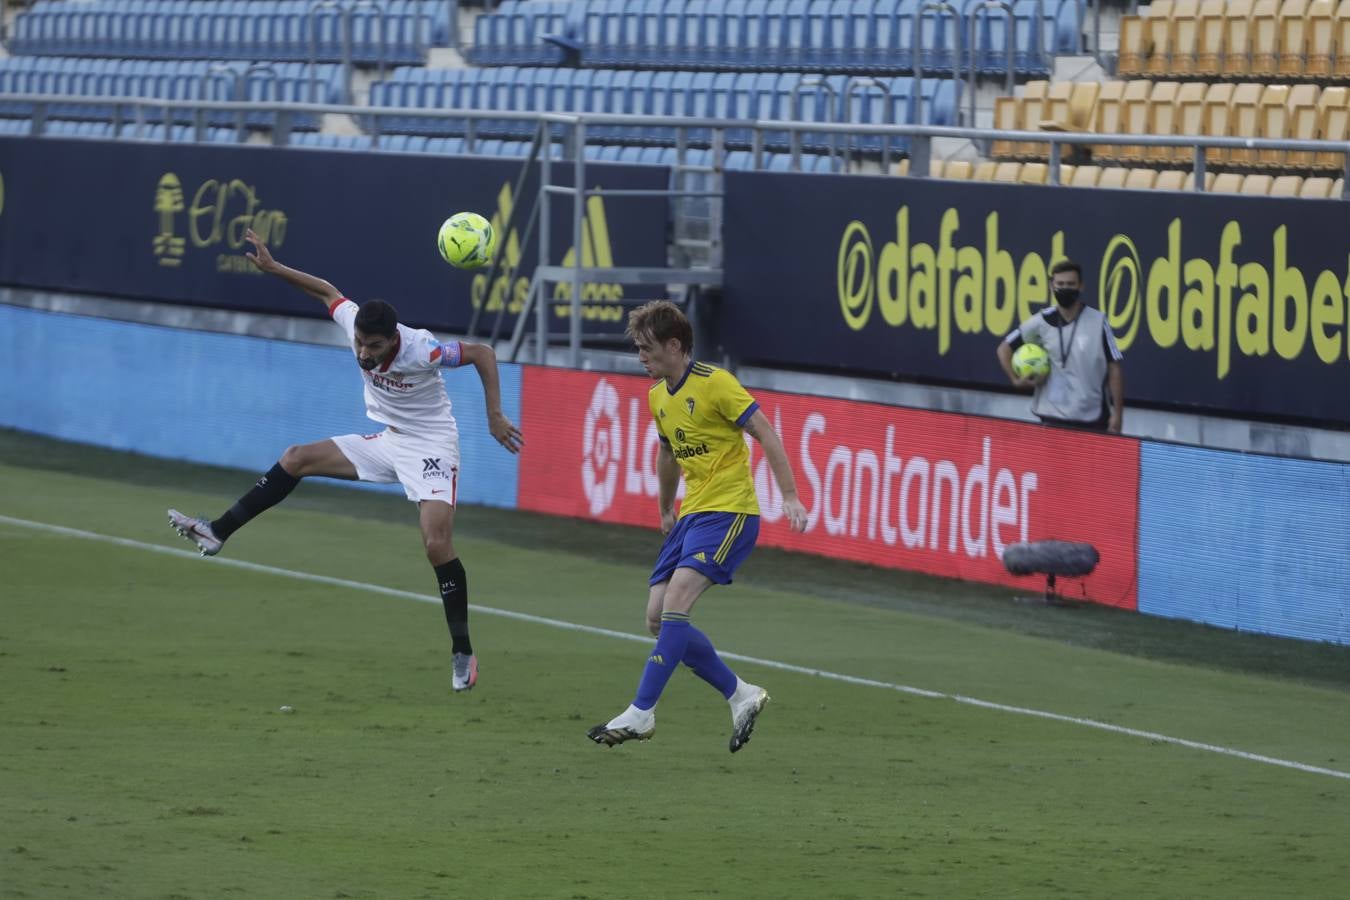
[[908, 489]]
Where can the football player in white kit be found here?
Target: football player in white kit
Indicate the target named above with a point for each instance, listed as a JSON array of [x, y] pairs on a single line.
[[419, 447]]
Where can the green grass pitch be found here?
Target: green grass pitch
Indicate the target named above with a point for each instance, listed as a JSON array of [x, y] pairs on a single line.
[[144, 753]]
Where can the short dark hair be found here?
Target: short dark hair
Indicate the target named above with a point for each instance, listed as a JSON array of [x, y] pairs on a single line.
[[661, 320], [375, 317], [1066, 265]]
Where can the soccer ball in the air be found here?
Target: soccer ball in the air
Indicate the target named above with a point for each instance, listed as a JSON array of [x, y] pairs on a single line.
[[1030, 361], [466, 240]]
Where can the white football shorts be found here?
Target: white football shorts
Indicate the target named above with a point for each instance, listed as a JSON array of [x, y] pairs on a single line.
[[428, 470]]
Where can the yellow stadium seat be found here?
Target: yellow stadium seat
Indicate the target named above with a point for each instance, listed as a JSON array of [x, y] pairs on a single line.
[[1140, 179], [1113, 177], [984, 170], [1227, 183], [1265, 34], [1007, 171], [1185, 31], [1340, 63], [1133, 45], [1158, 26], [1066, 173], [1257, 184], [1056, 107], [1301, 124], [1333, 124], [1134, 118], [1218, 117], [1237, 38], [1108, 115], [1170, 180], [1292, 25], [1084, 176], [1338, 188], [1209, 38], [1033, 173], [1082, 104], [1162, 118], [1033, 110], [1320, 44], [1286, 186], [1243, 122], [1189, 183], [1054, 116], [1007, 117], [1190, 116], [1272, 121], [1316, 186], [902, 167], [958, 169]]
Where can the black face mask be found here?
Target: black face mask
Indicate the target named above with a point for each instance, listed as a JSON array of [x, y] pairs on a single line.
[[1066, 296]]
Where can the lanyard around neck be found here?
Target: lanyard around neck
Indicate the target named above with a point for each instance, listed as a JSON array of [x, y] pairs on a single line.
[[1064, 352]]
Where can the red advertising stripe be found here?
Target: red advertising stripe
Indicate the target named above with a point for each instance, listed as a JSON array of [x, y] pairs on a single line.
[[909, 489]]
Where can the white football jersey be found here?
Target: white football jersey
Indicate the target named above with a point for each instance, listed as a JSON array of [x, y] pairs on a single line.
[[406, 392]]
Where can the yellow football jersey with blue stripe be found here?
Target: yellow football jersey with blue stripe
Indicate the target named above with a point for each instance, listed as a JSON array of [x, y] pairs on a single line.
[[701, 420]]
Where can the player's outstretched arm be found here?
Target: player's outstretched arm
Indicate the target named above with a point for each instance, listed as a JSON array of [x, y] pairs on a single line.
[[315, 287], [762, 431], [484, 360]]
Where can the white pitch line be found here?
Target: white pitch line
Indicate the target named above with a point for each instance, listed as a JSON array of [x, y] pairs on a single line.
[[606, 632]]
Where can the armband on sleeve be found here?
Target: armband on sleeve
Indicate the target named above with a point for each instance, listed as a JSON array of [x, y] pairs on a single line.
[[447, 355]]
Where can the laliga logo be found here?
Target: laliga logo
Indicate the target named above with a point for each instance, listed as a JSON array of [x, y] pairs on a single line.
[[600, 442]]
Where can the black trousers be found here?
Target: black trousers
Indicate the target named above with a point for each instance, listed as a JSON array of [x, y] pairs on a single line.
[[1094, 425]]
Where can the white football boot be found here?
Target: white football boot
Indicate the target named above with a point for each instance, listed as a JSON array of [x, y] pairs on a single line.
[[632, 724], [464, 674], [746, 704], [196, 530]]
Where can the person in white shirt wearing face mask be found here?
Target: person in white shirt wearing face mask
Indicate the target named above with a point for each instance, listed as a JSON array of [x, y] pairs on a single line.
[[1085, 387]]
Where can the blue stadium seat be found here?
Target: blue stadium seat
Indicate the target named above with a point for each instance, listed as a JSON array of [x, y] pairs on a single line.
[[698, 101], [1068, 28], [880, 101], [793, 37], [638, 102], [488, 47], [690, 42], [738, 161], [938, 39], [941, 103], [647, 42], [1029, 40]]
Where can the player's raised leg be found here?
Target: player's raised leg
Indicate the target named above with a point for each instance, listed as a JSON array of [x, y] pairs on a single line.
[[438, 522], [319, 458], [745, 699]]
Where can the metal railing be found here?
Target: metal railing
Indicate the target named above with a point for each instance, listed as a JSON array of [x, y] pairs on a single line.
[[283, 115]]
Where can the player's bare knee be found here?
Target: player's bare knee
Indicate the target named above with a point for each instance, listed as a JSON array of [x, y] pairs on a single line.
[[440, 549], [296, 460], [654, 625]]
